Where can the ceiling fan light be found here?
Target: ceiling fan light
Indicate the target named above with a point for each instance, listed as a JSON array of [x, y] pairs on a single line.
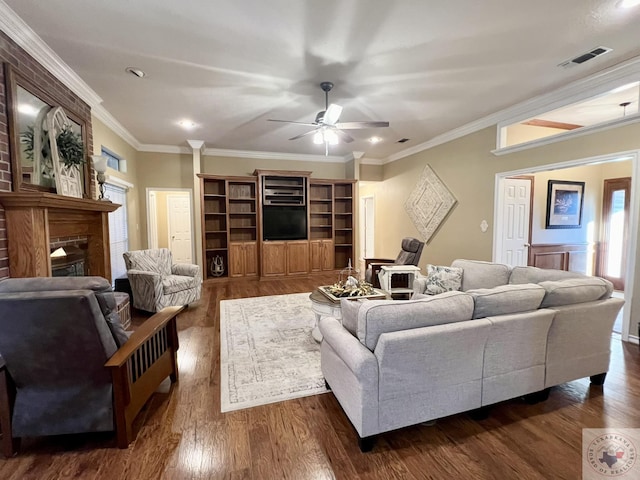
[[318, 138], [628, 3], [330, 137]]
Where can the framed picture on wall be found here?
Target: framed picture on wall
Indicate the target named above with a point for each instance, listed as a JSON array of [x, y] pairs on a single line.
[[564, 204]]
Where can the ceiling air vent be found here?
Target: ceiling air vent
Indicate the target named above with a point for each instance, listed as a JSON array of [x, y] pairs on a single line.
[[596, 52], [402, 140]]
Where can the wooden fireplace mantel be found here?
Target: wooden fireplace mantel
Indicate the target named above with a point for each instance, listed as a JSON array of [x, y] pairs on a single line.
[[34, 218]]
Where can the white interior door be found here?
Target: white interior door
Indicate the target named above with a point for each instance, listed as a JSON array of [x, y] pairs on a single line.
[[515, 216], [179, 226]]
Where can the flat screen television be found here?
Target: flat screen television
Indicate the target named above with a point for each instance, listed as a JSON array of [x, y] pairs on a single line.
[[282, 222]]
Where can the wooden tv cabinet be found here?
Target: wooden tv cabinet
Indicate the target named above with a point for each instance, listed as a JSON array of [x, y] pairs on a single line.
[[232, 228]]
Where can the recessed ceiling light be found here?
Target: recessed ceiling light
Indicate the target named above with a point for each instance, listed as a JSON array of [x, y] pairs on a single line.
[[628, 3], [375, 139], [135, 71], [187, 124]]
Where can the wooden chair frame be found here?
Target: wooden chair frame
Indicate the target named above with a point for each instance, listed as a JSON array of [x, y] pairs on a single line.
[[137, 369]]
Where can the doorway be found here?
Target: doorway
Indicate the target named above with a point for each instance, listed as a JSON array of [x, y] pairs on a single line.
[[516, 218], [634, 208], [615, 219], [170, 222]]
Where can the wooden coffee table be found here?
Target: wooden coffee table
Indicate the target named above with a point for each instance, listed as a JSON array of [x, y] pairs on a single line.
[[323, 305]]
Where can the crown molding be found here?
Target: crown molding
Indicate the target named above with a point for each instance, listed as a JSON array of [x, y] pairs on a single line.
[[596, 83], [27, 39], [219, 152], [196, 145], [372, 161], [155, 148]]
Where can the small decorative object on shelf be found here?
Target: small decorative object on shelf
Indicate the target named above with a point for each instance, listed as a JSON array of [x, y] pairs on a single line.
[[216, 266]]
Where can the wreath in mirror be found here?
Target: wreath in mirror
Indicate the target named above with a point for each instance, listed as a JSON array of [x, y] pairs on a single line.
[[56, 150]]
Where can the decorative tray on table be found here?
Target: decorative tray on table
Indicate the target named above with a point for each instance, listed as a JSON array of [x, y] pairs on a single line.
[[337, 292]]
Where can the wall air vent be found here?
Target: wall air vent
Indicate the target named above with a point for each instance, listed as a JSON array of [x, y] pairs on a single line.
[[596, 52]]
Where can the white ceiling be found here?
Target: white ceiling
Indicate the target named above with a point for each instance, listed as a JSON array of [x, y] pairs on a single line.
[[427, 67]]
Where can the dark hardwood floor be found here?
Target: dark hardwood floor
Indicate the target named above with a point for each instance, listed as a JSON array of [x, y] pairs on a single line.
[[181, 433]]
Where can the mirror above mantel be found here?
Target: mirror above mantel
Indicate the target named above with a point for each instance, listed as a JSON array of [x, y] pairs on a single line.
[[31, 108]]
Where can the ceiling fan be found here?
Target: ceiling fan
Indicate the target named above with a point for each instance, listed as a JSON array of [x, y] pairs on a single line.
[[327, 129]]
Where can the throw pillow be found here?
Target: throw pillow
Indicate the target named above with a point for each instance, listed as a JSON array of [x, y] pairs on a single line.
[[443, 279]]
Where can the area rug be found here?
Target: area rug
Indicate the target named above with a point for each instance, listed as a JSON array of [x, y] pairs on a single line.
[[267, 353]]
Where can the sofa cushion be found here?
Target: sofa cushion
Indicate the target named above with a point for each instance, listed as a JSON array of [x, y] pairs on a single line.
[[177, 283], [506, 299], [478, 274], [376, 317], [442, 279], [573, 290], [537, 275]]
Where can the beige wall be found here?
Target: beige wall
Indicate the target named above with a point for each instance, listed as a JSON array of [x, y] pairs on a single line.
[[519, 133], [468, 168], [104, 136], [371, 173], [157, 171]]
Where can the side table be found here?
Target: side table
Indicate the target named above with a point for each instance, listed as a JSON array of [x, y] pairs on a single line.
[[123, 308], [387, 271]]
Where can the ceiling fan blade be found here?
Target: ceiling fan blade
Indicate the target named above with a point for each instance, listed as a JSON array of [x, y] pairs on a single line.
[[332, 114], [303, 134], [343, 136], [297, 123], [357, 125]]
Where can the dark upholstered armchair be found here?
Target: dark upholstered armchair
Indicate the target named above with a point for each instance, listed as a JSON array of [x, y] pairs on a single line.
[[157, 282], [68, 366], [409, 255]]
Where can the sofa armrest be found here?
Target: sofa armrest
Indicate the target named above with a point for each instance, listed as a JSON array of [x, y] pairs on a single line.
[[360, 360], [140, 365], [419, 283], [186, 269]]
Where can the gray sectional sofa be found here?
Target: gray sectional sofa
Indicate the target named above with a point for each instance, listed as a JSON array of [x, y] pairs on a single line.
[[508, 332]]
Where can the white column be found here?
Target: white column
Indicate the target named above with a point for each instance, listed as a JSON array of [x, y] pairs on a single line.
[[356, 214], [197, 147]]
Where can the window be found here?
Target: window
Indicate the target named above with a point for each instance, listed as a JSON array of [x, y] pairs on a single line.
[[118, 231], [113, 160]]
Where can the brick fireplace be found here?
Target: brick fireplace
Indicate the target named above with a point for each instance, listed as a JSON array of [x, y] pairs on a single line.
[[34, 219]]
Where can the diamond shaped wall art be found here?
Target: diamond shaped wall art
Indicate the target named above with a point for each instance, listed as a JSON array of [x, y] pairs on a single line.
[[429, 203]]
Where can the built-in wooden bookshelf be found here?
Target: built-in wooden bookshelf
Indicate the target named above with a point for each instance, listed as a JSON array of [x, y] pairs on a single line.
[[214, 223], [232, 216], [343, 236], [243, 227]]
